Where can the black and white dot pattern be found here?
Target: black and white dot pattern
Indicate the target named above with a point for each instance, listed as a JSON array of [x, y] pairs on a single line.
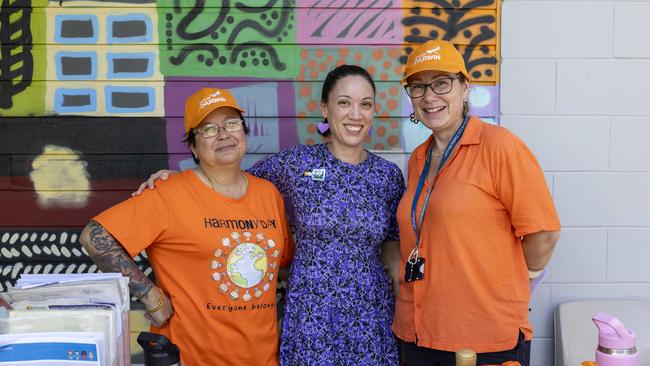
[[48, 250]]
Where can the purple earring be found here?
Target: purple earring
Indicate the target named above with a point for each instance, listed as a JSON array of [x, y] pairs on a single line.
[[323, 126]]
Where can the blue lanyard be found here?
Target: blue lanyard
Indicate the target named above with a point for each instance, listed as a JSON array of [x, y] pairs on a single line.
[[450, 147]]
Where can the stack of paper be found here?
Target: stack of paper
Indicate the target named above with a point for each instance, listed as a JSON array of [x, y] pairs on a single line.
[[51, 349], [60, 315]]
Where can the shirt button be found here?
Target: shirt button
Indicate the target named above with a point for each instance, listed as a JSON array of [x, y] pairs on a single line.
[[417, 306]]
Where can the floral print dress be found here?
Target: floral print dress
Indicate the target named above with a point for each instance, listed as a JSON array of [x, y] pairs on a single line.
[[339, 307]]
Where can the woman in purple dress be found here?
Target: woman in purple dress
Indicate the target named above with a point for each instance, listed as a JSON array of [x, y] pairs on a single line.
[[339, 306]]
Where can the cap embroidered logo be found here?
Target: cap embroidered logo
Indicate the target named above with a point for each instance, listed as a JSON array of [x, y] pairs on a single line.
[[431, 54], [211, 100]]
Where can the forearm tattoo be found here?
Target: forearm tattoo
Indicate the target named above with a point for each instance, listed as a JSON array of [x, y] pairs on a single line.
[[109, 255]]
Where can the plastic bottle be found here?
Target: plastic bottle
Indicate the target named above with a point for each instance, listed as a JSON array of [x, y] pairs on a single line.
[[465, 357], [616, 344]]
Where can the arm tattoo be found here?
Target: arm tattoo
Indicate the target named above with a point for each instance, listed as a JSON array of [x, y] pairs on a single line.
[[110, 256]]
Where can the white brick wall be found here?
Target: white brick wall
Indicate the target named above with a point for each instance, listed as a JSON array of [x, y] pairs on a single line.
[[630, 147], [575, 85], [630, 26], [603, 87], [561, 37], [527, 86]]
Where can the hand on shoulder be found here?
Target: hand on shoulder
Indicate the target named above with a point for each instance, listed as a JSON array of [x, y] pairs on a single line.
[[150, 183]]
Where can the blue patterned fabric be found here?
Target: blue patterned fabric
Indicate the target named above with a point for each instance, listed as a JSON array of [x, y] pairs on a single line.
[[339, 307]]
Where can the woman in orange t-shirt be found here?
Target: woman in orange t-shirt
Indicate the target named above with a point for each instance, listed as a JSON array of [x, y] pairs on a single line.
[[216, 238], [476, 223]]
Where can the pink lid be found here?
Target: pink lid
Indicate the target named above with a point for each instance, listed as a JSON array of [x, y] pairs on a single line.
[[612, 333]]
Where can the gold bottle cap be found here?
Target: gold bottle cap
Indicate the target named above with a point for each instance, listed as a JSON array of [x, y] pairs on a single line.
[[465, 357]]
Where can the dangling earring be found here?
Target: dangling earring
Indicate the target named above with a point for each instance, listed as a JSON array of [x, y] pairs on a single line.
[[413, 119], [323, 126]]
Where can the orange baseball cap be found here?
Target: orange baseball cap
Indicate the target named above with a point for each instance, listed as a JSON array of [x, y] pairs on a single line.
[[435, 55], [204, 101]]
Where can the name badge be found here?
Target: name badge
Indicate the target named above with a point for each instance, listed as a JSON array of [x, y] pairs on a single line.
[[316, 174], [414, 271]]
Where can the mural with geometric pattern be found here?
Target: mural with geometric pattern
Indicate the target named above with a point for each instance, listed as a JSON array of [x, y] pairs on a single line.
[[92, 92]]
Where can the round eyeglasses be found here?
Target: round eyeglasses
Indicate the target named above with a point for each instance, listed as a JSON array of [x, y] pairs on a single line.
[[210, 130], [439, 86]]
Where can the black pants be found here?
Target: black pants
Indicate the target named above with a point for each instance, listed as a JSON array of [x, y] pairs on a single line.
[[422, 356]]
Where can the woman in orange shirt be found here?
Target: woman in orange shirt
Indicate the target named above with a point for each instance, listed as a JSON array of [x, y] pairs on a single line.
[[476, 223], [216, 238]]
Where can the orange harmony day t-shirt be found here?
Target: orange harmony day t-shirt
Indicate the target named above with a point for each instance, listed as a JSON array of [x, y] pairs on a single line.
[[217, 258]]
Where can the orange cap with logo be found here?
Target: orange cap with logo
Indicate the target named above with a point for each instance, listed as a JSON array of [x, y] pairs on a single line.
[[204, 101], [435, 55]]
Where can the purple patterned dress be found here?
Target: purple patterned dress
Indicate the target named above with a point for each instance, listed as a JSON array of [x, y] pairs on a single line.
[[339, 307]]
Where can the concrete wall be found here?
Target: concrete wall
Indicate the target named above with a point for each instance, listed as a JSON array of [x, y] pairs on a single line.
[[576, 87]]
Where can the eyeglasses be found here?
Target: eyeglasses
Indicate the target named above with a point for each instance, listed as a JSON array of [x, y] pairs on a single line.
[[438, 86], [210, 130]]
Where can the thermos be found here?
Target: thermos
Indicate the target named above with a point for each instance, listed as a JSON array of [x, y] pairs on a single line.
[[158, 350], [616, 344]]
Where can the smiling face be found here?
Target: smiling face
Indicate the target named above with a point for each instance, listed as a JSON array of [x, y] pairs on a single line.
[[224, 149], [349, 110], [439, 112]]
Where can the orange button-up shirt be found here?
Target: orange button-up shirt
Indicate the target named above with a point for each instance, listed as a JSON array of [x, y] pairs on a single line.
[[475, 291]]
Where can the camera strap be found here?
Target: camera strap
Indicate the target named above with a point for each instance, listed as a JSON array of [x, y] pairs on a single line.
[[413, 257]]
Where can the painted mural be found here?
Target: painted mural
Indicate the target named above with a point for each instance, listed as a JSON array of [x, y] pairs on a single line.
[[92, 92]]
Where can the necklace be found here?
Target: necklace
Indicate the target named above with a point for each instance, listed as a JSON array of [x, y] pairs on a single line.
[[216, 186], [438, 156]]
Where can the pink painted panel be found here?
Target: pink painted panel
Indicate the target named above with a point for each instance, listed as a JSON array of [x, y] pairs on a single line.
[[349, 22]]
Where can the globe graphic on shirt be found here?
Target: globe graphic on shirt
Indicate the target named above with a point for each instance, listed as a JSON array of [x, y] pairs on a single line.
[[247, 265]]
